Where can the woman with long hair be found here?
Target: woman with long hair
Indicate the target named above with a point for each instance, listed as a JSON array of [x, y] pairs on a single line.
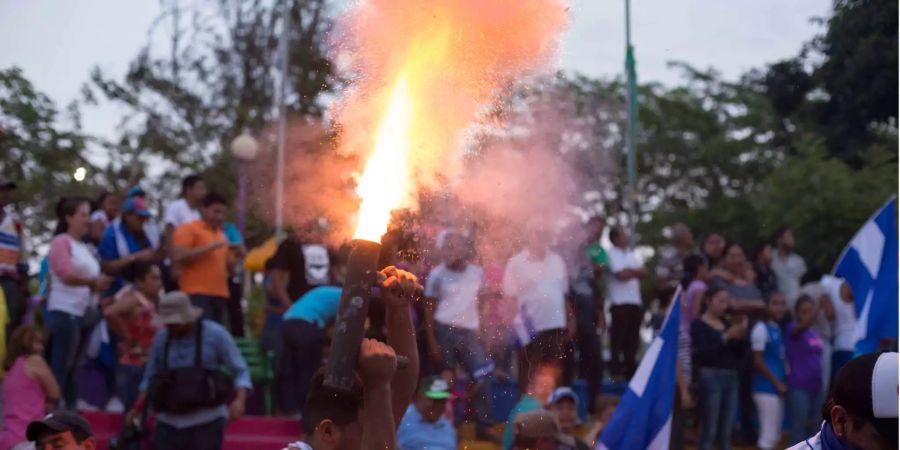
[[29, 389], [74, 279], [718, 347]]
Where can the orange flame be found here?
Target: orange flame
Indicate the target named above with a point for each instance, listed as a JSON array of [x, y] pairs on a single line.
[[422, 71], [384, 182]]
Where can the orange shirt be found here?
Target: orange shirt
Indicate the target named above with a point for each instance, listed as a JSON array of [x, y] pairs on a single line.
[[208, 273]]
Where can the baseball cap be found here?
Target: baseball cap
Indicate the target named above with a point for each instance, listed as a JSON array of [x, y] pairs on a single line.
[[136, 205], [6, 183], [540, 423], [135, 191], [563, 392], [58, 422], [435, 388], [867, 387]]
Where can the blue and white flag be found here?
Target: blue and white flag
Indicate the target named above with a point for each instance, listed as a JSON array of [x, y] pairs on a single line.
[[869, 264], [643, 419]]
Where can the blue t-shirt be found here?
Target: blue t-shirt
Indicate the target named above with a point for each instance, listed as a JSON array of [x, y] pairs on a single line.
[[318, 306], [416, 433], [109, 250], [766, 337]]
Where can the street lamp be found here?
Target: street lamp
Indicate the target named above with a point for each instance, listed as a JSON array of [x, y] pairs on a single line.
[[244, 148], [79, 174]]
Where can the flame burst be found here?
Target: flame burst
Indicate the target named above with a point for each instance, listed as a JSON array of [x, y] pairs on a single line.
[[421, 72], [384, 182]]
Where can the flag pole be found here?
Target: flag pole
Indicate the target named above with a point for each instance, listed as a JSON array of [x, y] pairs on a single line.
[[631, 74]]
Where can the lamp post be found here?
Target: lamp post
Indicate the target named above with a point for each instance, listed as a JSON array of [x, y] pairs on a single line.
[[244, 148]]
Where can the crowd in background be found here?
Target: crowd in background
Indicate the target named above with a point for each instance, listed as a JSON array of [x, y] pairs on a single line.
[[133, 298]]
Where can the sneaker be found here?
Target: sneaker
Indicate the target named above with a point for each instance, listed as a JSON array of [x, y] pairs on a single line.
[[82, 405], [114, 405]]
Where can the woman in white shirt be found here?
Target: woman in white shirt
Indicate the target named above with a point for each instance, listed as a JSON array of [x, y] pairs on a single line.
[[74, 278]]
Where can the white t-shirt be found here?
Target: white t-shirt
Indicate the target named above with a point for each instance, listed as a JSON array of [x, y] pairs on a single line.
[[179, 212], [623, 292], [844, 315], [759, 337], [72, 299], [788, 272], [540, 288], [457, 295]]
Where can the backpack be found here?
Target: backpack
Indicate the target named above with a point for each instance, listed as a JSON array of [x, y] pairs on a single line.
[[187, 389]]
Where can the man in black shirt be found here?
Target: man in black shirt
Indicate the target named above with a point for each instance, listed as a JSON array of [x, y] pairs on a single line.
[[301, 263]]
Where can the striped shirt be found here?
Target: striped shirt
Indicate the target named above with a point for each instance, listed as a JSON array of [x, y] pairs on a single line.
[[10, 244]]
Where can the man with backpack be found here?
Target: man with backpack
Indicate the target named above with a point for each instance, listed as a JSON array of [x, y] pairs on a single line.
[[185, 382]]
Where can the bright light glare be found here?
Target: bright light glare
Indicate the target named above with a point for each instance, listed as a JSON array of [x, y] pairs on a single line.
[[79, 174]]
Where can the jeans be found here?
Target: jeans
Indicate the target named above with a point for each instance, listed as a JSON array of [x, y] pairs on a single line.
[[590, 362], [624, 338], [771, 419], [746, 405], [213, 307], [549, 347], [235, 309], [462, 347], [719, 391], [805, 409], [128, 378], [207, 436], [298, 354], [15, 303], [65, 348]]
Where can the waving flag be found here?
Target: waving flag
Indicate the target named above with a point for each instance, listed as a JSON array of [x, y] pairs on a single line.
[[869, 264], [643, 420]]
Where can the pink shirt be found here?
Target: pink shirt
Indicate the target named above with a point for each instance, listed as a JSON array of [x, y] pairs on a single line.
[[23, 402]]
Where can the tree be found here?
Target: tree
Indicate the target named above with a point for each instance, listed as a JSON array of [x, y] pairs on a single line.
[[39, 152], [218, 78], [859, 74]]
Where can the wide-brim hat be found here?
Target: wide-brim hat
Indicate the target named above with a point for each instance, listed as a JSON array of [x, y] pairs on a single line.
[[175, 308]]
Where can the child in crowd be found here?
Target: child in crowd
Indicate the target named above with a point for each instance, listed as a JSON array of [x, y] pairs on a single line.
[[540, 387], [769, 385], [804, 349], [29, 389], [564, 403]]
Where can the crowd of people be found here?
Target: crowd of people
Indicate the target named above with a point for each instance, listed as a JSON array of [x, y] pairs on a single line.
[[156, 310]]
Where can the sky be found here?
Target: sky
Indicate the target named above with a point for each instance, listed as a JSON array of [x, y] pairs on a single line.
[[58, 42]]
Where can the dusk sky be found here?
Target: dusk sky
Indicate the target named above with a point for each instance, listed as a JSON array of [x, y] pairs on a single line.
[[57, 42]]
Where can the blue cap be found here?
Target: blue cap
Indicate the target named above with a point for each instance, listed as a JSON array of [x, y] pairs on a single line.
[[136, 205], [563, 392], [135, 191]]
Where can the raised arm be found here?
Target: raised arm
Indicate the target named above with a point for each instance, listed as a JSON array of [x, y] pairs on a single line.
[[399, 290], [377, 364]]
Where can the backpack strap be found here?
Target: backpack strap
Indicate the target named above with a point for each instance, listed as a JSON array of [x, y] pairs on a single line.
[[198, 345]]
